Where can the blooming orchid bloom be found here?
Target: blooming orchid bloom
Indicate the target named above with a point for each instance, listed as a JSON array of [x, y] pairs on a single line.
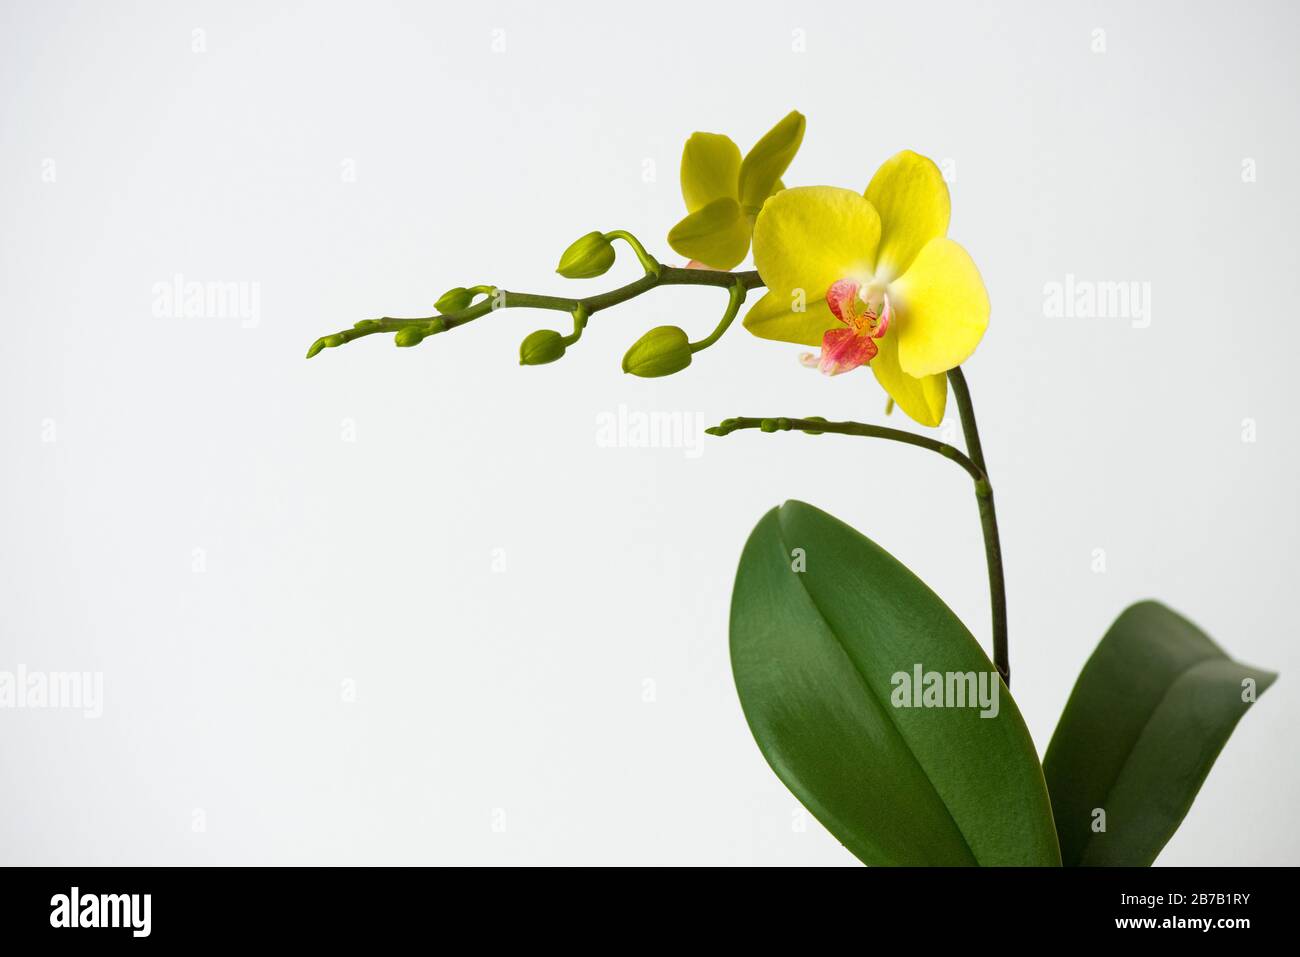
[[865, 313], [874, 281], [724, 192]]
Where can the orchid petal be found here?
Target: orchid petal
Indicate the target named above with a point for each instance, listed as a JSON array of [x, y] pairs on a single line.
[[912, 199]]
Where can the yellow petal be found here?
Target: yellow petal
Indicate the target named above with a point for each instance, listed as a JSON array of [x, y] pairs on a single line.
[[716, 235], [911, 197], [922, 399], [810, 236], [710, 169], [783, 317], [767, 161], [942, 309]]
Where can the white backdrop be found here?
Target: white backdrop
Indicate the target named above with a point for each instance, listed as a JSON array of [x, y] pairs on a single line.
[[402, 606]]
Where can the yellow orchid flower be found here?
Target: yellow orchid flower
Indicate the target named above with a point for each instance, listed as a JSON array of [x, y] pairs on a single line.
[[724, 193], [874, 281]]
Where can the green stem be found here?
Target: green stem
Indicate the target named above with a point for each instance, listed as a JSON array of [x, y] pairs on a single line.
[[413, 331], [651, 265], [818, 426], [728, 317], [504, 299], [579, 324], [989, 522]]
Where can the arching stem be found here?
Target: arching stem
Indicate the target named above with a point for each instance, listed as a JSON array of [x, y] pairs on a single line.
[[814, 426], [494, 299], [989, 522]]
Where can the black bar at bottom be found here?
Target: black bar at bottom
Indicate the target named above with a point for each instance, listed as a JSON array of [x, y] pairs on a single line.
[[371, 905]]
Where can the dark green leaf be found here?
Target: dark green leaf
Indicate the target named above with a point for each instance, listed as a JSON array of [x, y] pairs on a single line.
[[1149, 714], [815, 653]]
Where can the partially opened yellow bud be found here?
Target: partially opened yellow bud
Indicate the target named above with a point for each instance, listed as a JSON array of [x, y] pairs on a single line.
[[724, 192], [760, 173]]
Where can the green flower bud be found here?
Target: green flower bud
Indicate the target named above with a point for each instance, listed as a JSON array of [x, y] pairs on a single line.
[[541, 347], [409, 336], [454, 300], [592, 255], [661, 351]]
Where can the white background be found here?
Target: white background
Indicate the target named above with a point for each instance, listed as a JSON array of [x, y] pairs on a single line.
[[518, 696]]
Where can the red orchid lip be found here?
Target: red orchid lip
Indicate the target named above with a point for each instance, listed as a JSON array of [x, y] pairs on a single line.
[[841, 298], [846, 349]]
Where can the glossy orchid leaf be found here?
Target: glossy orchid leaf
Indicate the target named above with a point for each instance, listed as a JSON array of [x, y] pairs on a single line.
[[823, 624], [1151, 711]]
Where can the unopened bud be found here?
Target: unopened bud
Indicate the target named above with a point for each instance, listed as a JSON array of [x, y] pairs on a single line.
[[661, 351], [409, 336], [592, 255], [454, 300], [541, 347]]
